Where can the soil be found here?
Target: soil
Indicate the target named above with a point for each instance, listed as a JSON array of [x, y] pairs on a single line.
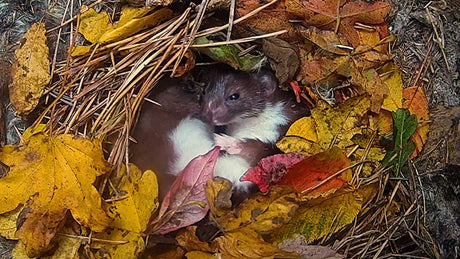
[[419, 25]]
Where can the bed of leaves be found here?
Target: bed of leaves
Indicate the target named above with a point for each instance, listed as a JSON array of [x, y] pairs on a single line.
[[335, 190]]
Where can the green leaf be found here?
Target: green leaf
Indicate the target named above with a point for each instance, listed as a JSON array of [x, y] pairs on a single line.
[[404, 126], [228, 54]]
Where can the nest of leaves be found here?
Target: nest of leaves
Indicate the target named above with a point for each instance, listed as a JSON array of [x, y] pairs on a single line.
[[98, 89]]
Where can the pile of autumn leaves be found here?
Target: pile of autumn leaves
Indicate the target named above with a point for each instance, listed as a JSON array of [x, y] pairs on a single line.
[[318, 186]]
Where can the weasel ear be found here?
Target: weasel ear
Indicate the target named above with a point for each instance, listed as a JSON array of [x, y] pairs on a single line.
[[268, 81]]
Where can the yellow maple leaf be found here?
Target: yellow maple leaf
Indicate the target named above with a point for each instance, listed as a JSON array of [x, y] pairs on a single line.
[[52, 174], [131, 214], [31, 70], [321, 216]]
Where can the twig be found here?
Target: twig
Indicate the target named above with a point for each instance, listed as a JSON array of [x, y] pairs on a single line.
[[248, 39]]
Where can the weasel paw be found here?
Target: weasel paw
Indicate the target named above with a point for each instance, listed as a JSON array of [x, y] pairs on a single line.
[[228, 143]]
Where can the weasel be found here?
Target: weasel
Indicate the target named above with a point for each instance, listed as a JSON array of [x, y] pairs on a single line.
[[243, 113], [248, 110]]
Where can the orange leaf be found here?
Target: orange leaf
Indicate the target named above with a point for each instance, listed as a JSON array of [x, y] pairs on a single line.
[[415, 100], [310, 173], [327, 13]]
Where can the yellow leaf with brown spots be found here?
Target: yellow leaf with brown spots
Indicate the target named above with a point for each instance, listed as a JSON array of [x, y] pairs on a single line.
[[67, 248], [53, 174], [125, 244], [393, 100], [31, 70], [324, 215], [138, 201], [135, 202], [8, 223], [261, 212], [328, 126]]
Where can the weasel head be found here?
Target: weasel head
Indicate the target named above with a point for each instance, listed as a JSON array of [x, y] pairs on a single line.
[[230, 96]]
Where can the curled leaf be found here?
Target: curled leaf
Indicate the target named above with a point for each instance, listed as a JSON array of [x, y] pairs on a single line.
[[324, 215], [282, 57], [186, 202]]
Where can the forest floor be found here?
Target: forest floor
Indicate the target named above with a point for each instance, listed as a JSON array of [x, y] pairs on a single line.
[[427, 51], [428, 48]]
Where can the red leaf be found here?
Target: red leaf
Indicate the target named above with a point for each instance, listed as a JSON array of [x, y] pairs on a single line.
[[186, 202], [271, 169], [311, 172]]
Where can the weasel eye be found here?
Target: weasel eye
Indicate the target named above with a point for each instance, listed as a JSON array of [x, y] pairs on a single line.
[[233, 97]]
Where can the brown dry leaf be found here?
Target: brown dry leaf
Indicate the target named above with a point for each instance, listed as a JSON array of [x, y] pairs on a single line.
[[248, 244], [376, 88], [55, 174], [37, 230], [271, 19], [321, 216], [328, 127], [186, 66], [326, 40], [415, 100], [326, 14], [299, 245], [188, 240], [282, 57], [31, 70], [219, 192], [200, 255], [67, 249]]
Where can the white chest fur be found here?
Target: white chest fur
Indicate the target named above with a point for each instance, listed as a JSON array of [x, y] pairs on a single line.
[[264, 127]]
